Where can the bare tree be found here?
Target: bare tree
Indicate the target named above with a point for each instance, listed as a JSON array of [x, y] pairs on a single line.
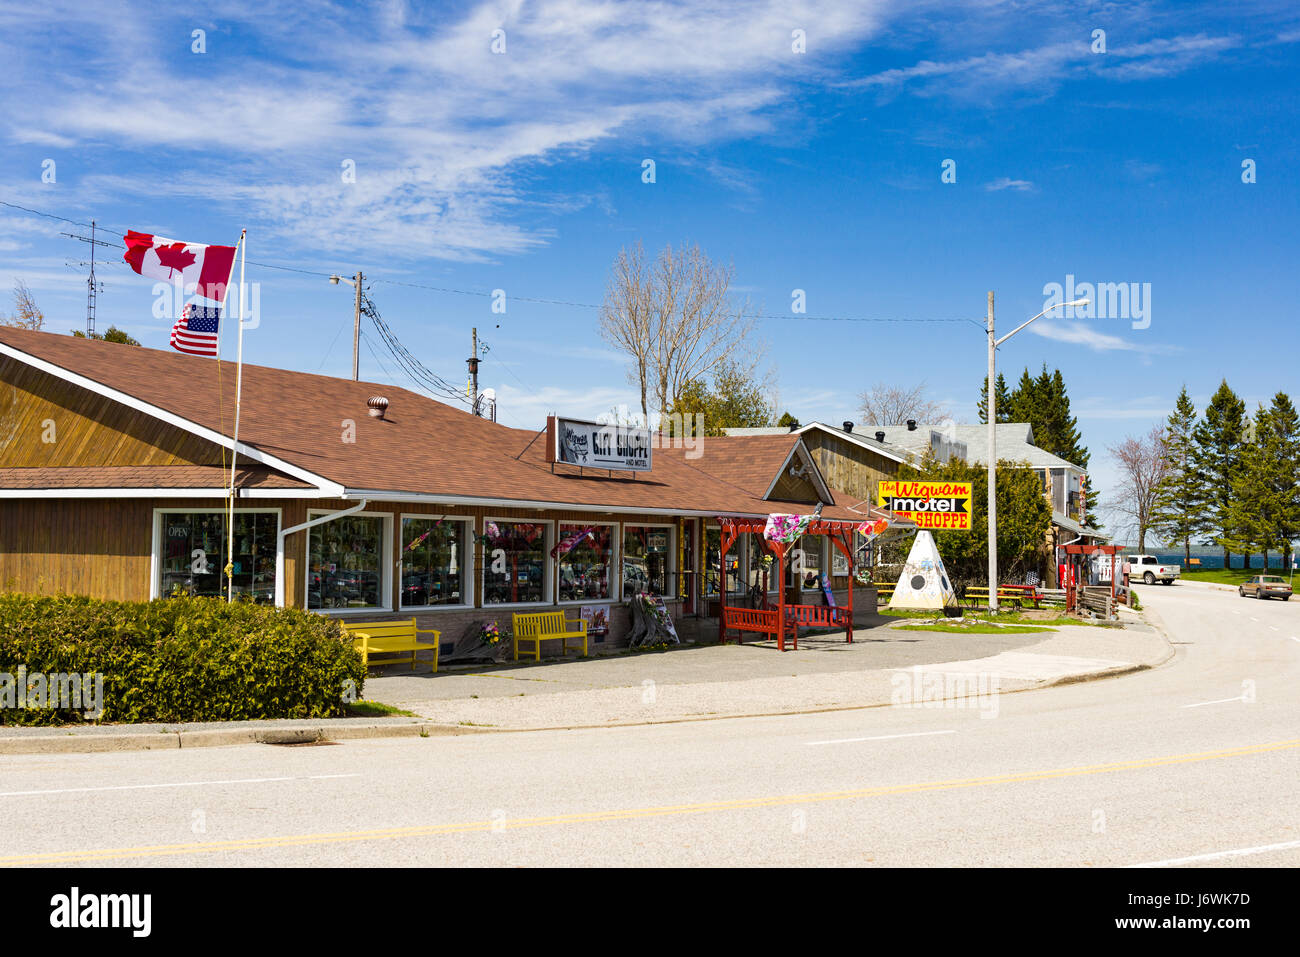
[[676, 320], [1143, 465], [27, 315], [885, 404]]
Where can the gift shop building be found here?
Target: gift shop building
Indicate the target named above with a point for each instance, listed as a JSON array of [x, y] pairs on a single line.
[[368, 501]]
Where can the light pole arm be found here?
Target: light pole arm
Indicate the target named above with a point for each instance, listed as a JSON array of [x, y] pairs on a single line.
[[1059, 305]]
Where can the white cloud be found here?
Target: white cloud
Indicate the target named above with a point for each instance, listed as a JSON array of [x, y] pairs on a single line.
[[1037, 70], [1077, 332], [1006, 182], [440, 128]]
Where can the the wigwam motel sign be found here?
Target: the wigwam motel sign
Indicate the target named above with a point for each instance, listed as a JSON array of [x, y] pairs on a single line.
[[591, 444]]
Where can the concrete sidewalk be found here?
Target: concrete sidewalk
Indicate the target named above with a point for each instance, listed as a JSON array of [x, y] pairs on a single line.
[[689, 683], [714, 681]]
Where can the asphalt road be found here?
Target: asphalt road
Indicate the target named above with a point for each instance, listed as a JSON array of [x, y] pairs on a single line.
[[1193, 763]]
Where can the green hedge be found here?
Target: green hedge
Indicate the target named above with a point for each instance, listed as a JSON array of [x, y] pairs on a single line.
[[179, 659]]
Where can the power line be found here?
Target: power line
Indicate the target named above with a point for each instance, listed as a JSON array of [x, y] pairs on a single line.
[[427, 379], [532, 299]]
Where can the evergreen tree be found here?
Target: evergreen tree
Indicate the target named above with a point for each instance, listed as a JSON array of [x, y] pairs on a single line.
[[1003, 397], [1249, 522], [1026, 404], [1218, 440], [1069, 443], [1285, 422], [1180, 502], [1265, 511]]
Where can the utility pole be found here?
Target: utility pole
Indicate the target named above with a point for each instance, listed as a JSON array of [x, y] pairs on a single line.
[[356, 332], [473, 371], [993, 462]]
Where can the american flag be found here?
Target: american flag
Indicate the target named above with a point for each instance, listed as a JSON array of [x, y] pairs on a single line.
[[195, 331]]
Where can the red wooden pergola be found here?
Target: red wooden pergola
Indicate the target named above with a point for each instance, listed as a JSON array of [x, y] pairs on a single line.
[[785, 617], [1083, 552]]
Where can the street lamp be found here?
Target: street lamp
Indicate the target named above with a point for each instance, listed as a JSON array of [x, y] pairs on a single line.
[[991, 392], [356, 319]]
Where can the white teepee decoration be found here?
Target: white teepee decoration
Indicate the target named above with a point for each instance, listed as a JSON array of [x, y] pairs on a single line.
[[924, 582]]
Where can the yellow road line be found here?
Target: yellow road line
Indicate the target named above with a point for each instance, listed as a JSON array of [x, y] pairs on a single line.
[[625, 814]]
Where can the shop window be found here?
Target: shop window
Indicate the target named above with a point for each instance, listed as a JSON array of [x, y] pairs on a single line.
[[584, 554], [812, 564], [194, 551], [434, 559], [345, 563], [647, 559], [514, 563]]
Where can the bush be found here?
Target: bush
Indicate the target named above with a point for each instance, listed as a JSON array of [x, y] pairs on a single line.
[[179, 659]]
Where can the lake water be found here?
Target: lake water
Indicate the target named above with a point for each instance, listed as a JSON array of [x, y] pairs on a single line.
[[1216, 561]]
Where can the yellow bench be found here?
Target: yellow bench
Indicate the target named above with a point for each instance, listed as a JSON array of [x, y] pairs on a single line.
[[537, 627], [390, 638]]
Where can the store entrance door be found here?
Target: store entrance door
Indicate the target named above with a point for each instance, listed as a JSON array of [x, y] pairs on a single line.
[[688, 562]]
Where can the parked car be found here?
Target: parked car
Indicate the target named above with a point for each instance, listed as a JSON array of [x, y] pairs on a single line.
[[1148, 569], [1265, 586]]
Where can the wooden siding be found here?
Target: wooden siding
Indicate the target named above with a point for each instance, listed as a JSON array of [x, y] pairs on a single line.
[[88, 547], [791, 488], [848, 466], [87, 429]]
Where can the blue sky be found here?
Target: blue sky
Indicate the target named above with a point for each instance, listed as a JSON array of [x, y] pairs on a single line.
[[818, 171]]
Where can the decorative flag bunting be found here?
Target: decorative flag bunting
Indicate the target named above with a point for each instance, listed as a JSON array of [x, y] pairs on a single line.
[[786, 528], [873, 528], [195, 332], [570, 542], [207, 268]]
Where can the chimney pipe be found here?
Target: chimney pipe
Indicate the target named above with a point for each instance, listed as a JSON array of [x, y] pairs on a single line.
[[848, 426], [911, 425], [880, 436]]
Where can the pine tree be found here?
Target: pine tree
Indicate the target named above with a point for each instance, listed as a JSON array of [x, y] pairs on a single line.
[[1069, 442], [1180, 503], [1250, 516], [1043, 402], [1218, 440], [1266, 499], [1025, 403], [1003, 397], [1286, 428]]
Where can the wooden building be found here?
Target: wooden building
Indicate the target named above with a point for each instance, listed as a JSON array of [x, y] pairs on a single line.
[[115, 464]]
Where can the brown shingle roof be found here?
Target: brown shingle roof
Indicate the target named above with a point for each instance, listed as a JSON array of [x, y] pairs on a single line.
[[421, 447], [157, 476]]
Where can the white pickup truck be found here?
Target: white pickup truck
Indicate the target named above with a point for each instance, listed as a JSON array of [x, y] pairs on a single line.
[[1147, 568]]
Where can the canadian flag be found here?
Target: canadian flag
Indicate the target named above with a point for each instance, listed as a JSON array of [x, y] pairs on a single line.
[[207, 268]]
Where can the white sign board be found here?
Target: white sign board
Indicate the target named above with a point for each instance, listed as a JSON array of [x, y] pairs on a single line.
[[591, 444]]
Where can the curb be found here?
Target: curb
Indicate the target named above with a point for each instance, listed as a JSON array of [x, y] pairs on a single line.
[[74, 743]]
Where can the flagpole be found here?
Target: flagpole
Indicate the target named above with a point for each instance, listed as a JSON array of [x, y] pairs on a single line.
[[234, 449]]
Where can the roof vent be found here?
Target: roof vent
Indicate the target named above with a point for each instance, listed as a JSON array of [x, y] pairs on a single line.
[[911, 425], [848, 426], [880, 436], [378, 405]]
